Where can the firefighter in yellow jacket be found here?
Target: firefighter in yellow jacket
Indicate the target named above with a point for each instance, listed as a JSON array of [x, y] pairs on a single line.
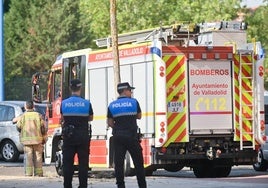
[[32, 133]]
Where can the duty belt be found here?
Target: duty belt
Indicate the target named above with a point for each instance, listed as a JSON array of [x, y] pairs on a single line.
[[124, 133]]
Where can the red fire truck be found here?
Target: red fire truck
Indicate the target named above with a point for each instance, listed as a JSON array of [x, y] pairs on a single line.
[[200, 87]]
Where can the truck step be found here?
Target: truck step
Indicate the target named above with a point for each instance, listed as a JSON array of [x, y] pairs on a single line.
[[248, 147]]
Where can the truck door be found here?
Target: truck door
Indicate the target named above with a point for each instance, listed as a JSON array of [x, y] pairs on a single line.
[[73, 68], [55, 97], [210, 97]]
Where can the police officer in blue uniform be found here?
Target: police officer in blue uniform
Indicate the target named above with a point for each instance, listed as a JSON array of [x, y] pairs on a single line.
[[76, 114], [122, 116]]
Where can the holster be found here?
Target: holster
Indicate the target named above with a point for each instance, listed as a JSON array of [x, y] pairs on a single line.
[[89, 131], [68, 131], [139, 134], [129, 133]]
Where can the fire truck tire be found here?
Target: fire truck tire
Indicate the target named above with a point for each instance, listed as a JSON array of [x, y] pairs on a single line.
[[261, 165], [173, 167], [9, 151], [210, 171], [201, 171], [222, 171], [127, 168], [58, 164]]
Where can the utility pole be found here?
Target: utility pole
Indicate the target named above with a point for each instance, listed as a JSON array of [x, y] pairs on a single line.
[[114, 36], [2, 76]]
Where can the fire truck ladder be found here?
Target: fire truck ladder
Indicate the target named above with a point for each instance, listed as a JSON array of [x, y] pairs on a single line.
[[247, 109], [181, 31], [176, 32]]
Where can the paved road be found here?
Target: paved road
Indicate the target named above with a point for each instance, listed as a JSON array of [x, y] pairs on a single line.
[[11, 176]]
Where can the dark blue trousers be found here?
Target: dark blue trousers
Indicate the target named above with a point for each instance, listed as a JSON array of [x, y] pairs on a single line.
[[122, 144], [80, 145]]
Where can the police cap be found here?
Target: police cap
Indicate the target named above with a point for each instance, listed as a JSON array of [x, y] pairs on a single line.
[[124, 85], [75, 83]]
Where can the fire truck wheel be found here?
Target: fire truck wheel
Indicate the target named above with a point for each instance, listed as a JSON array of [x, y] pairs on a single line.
[[261, 164], [173, 167], [206, 170], [59, 171], [9, 151], [222, 171], [211, 171], [201, 171], [59, 164]]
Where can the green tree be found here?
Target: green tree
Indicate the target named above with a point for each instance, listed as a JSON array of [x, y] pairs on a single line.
[[258, 30], [36, 31], [95, 16], [135, 15]]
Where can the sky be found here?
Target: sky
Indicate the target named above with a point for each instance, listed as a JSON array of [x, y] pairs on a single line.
[[252, 3]]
